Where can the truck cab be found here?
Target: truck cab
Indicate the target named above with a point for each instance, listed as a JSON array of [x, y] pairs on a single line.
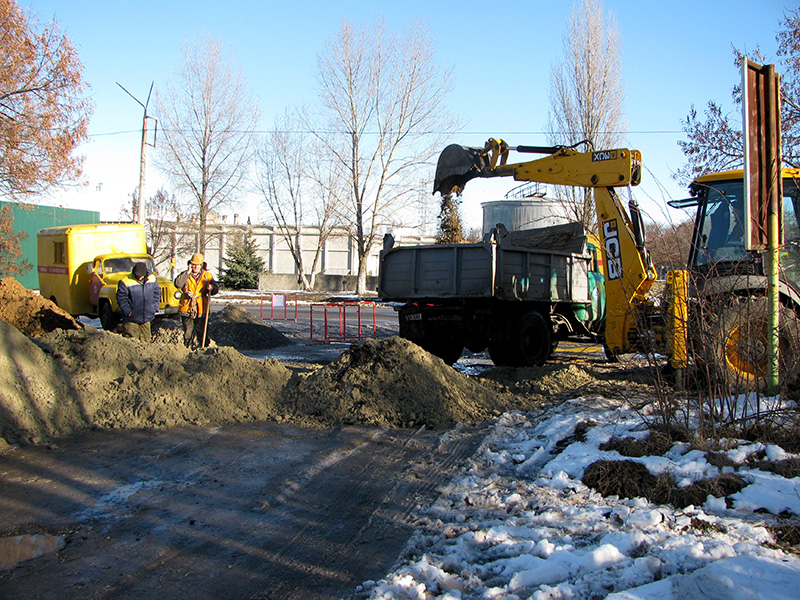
[[718, 256], [107, 270], [728, 283]]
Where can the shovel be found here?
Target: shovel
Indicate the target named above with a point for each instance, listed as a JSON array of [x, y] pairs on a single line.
[[205, 321]]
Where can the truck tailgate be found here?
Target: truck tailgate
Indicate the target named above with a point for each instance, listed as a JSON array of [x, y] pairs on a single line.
[[436, 271]]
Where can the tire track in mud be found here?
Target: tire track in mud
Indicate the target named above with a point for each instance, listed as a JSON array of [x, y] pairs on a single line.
[[358, 526], [260, 511]]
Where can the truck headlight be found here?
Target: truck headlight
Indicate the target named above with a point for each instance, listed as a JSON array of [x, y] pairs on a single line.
[[178, 294]]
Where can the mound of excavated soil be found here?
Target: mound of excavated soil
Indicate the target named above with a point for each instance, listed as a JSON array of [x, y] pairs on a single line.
[[36, 401], [67, 380], [71, 380], [234, 326], [29, 312], [391, 383]]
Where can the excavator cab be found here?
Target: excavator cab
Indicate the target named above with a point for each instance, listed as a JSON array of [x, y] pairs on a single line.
[[718, 244]]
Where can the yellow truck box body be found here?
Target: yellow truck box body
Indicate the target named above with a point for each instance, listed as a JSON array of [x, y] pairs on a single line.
[[66, 256]]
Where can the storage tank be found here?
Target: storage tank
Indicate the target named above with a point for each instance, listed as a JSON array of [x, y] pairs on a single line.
[[523, 213]]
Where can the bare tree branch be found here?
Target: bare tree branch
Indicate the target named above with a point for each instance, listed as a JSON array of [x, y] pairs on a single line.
[[587, 94], [381, 98], [208, 121]]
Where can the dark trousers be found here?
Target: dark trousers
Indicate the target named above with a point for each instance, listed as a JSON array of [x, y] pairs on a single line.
[[137, 331], [193, 330]]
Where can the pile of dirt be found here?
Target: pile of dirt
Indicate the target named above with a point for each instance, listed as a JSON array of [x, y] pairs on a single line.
[[232, 326], [54, 383], [563, 380], [29, 312], [68, 381], [391, 383], [236, 327]]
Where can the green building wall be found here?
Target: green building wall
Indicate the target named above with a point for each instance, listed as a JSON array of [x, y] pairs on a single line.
[[30, 218]]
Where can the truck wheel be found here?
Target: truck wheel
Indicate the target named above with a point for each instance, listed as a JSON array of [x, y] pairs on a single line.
[[500, 353], [108, 318], [739, 343], [530, 344], [448, 349], [533, 340]]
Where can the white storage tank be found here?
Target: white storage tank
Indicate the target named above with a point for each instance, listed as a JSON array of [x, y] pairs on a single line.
[[524, 213]]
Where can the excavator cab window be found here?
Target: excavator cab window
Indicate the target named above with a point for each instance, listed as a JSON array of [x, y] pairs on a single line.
[[790, 255], [721, 223]]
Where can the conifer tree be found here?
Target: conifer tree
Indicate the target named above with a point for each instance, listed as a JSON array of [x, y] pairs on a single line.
[[243, 265], [450, 229]]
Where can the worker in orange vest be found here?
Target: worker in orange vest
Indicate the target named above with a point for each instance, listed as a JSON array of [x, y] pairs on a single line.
[[196, 285]]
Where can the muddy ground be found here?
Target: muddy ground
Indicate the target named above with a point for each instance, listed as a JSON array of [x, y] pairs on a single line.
[[147, 470]]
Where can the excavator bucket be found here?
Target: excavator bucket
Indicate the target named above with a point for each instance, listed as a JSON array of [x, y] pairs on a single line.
[[457, 165]]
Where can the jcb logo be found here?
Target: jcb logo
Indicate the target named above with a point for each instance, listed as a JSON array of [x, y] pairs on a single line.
[[613, 250]]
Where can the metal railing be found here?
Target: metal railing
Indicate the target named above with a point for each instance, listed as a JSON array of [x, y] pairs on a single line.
[[337, 327]]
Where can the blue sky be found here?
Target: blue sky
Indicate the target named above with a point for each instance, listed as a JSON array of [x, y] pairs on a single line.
[[674, 54]]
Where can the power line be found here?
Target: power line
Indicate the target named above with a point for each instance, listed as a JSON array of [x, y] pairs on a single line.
[[331, 132]]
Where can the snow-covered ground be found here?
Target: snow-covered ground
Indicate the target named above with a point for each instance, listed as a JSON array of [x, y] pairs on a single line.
[[518, 523]]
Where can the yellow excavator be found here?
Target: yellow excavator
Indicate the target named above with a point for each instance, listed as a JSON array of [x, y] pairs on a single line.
[[722, 277]]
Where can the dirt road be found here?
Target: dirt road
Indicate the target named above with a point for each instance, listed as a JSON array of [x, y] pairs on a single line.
[[262, 510]]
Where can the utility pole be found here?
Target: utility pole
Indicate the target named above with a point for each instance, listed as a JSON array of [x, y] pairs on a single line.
[[143, 151]]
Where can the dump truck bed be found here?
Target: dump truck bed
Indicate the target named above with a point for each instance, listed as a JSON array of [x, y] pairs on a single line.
[[547, 264]]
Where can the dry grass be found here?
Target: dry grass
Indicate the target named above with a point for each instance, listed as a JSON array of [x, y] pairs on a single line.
[[630, 479]]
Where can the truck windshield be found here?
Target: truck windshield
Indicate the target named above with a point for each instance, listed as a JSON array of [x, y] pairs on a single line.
[[124, 264]]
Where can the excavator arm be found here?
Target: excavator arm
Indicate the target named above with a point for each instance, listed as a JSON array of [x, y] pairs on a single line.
[[564, 166], [628, 269]]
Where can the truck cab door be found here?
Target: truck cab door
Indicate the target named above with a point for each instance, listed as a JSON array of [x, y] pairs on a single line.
[[96, 282]]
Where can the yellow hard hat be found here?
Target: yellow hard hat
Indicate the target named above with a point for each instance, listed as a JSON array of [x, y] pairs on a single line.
[[197, 259]]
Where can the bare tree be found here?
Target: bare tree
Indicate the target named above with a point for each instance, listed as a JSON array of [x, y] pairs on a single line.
[[668, 243], [714, 142], [166, 236], [382, 102], [587, 94], [208, 121], [298, 189], [43, 112]]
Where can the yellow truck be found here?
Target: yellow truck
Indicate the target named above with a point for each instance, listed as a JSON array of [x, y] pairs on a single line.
[[80, 266]]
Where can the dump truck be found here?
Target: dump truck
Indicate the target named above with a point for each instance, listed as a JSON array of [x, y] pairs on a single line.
[[520, 329], [517, 293], [81, 265]]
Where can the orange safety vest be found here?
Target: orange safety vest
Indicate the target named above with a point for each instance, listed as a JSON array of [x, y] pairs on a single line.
[[194, 286]]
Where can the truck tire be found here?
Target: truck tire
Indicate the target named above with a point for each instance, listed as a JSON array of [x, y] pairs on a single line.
[[500, 353], [108, 318], [448, 349], [534, 340], [739, 338], [530, 344]]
